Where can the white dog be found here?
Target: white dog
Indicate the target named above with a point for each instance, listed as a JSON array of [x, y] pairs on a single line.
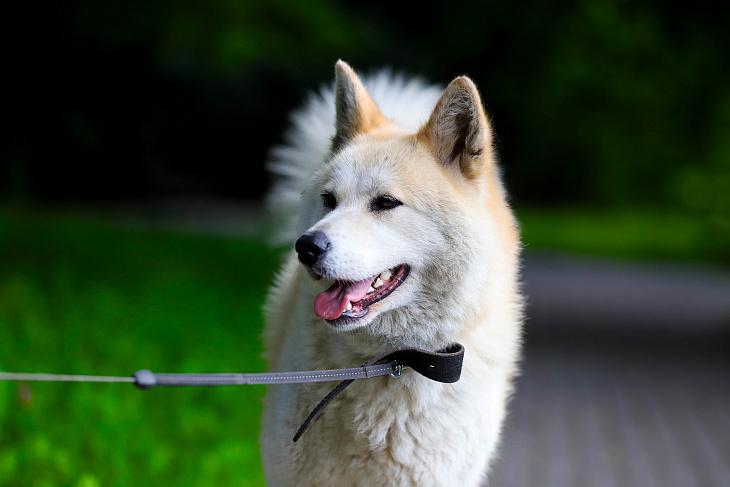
[[405, 239]]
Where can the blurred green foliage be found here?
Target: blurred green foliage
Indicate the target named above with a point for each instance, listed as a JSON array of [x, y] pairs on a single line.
[[604, 104], [225, 34], [598, 103], [81, 297], [628, 110]]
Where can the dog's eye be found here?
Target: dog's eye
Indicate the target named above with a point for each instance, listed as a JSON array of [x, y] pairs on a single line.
[[385, 202], [328, 200]]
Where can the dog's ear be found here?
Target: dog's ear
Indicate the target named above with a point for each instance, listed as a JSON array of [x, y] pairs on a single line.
[[356, 112], [458, 129]]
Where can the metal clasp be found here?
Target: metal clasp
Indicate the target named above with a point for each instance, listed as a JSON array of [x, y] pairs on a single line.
[[397, 368]]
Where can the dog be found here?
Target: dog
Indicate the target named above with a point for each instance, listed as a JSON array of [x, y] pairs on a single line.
[[404, 238]]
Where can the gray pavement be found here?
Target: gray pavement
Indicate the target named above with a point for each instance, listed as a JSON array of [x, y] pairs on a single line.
[[626, 376], [588, 415]]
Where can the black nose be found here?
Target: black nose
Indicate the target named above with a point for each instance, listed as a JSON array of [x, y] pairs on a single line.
[[311, 246]]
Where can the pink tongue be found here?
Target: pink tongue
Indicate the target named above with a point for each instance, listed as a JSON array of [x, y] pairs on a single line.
[[331, 303]]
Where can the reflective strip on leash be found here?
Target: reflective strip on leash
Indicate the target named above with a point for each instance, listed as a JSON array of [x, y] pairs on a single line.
[[144, 379]]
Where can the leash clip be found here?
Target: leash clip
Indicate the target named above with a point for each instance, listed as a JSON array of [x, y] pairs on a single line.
[[397, 368]]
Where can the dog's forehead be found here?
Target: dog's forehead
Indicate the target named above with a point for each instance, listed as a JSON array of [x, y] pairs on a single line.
[[374, 167], [363, 173]]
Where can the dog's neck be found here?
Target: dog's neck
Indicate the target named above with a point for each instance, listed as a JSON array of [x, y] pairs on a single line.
[[350, 348]]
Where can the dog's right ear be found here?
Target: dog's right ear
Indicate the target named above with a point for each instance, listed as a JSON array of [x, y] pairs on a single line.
[[356, 112]]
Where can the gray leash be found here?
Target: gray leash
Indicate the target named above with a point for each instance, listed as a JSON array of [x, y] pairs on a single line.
[[62, 377], [144, 379], [442, 366]]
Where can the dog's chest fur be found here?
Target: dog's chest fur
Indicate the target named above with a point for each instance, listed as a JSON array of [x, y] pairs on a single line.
[[391, 431]]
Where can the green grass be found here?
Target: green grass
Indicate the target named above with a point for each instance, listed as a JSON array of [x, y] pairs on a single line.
[[632, 234], [87, 298]]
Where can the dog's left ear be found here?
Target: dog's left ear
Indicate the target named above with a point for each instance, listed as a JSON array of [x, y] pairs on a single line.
[[356, 112], [458, 129]]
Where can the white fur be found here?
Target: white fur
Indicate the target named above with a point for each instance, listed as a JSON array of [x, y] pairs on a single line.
[[462, 287]]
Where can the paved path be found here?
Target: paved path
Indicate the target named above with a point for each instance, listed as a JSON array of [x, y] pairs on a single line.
[[636, 414], [626, 379]]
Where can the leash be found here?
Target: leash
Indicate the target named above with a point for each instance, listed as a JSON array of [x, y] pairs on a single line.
[[441, 366]]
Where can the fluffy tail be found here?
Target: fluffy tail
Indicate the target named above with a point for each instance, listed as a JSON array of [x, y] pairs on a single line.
[[407, 102]]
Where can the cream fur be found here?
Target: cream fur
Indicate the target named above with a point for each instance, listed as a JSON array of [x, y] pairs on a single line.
[[457, 234]]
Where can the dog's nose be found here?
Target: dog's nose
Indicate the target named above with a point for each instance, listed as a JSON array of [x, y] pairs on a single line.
[[311, 246]]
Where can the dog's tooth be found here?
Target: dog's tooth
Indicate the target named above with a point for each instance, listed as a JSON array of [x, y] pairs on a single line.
[[385, 275], [349, 306], [378, 282], [370, 289]]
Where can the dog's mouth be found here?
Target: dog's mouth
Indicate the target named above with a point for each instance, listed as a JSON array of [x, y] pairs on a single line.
[[347, 301]]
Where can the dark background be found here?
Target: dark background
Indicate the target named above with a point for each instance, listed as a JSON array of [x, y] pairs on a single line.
[[595, 103]]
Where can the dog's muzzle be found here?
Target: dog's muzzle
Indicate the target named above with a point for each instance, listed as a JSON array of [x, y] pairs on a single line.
[[311, 246]]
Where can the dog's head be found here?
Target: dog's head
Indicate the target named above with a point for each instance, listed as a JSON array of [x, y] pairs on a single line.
[[401, 224]]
